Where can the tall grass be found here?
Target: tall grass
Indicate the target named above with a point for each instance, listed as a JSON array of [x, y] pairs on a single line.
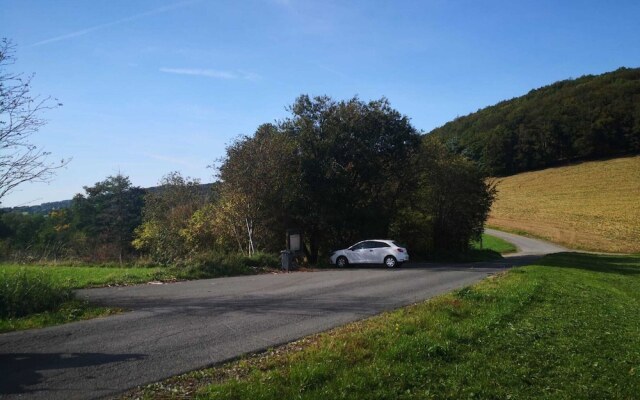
[[28, 292]]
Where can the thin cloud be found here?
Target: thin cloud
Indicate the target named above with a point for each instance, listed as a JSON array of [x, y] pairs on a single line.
[[212, 73], [113, 23], [333, 71]]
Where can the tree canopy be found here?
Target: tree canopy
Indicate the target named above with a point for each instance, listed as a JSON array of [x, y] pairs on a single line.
[[343, 171]]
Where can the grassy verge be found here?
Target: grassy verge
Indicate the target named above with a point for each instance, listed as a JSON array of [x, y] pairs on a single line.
[[88, 276], [33, 299], [69, 311], [489, 248], [494, 243], [564, 328]]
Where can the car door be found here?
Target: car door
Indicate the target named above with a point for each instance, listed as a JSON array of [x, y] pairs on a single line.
[[377, 252], [358, 253]]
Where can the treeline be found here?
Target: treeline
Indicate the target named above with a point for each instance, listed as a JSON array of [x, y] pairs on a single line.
[[585, 118], [339, 171], [98, 226], [43, 208]]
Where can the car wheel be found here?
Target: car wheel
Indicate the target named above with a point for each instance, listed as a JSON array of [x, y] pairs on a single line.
[[390, 262], [342, 262]]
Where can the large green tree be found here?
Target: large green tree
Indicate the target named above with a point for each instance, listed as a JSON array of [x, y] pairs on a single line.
[[105, 218], [260, 182], [448, 206], [355, 161], [334, 169]]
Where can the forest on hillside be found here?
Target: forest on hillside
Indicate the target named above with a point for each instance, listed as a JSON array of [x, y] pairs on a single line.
[[576, 119]]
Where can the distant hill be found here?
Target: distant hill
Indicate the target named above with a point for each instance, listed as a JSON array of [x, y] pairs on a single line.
[[592, 205], [43, 208], [577, 119], [46, 208]]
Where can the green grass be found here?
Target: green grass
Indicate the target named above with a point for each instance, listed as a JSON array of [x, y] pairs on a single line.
[[82, 277], [494, 243], [206, 266], [565, 328], [492, 248], [31, 298]]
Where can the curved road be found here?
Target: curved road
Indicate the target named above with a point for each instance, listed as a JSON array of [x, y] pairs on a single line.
[[527, 246], [179, 327]]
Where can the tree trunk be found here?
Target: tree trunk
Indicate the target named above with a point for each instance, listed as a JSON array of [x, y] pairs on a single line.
[[313, 247]]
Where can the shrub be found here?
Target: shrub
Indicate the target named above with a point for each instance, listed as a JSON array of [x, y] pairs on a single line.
[[210, 265], [261, 260], [24, 293]]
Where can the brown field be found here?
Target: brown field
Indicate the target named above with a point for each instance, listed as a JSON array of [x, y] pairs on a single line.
[[590, 206]]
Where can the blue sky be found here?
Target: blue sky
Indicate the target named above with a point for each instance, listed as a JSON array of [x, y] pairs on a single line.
[[154, 86]]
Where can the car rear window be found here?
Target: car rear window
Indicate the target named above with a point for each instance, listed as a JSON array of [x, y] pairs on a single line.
[[397, 244]]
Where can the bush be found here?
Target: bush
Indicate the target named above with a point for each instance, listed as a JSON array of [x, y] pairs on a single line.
[[24, 293], [211, 265], [260, 260]]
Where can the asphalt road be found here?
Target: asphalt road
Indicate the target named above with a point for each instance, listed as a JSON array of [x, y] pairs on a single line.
[[179, 327]]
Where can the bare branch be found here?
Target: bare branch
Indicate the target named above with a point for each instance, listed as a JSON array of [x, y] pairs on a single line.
[[20, 160]]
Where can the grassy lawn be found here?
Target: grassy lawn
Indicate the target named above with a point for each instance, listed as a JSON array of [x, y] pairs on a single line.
[[494, 243], [590, 206], [82, 277], [565, 328]]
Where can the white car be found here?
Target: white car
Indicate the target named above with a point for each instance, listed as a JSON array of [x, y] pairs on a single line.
[[376, 251]]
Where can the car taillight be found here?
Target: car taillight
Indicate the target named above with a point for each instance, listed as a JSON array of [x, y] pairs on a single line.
[[400, 250]]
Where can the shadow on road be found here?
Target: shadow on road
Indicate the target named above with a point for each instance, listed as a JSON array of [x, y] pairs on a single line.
[[22, 370], [507, 262]]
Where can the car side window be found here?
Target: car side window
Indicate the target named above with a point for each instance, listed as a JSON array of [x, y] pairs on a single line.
[[359, 246], [377, 245]]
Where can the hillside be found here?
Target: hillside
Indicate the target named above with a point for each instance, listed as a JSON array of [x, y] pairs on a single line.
[[577, 119], [591, 206]]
